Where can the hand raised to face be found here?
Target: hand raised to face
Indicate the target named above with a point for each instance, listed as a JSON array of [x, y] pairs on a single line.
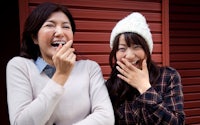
[[63, 60], [137, 78]]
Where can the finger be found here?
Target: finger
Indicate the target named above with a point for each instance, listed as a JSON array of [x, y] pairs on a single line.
[[129, 65], [123, 78], [144, 65], [68, 44], [67, 53], [59, 47], [71, 57], [123, 72], [122, 66], [74, 58], [65, 47]]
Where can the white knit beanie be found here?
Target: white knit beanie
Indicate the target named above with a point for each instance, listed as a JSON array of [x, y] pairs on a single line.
[[136, 23]]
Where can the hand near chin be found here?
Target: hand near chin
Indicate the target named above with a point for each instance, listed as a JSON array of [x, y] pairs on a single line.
[[63, 60], [137, 78]]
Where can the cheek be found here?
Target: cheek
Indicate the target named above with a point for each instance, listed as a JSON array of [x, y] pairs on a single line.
[[141, 54], [69, 35], [45, 35], [119, 56]]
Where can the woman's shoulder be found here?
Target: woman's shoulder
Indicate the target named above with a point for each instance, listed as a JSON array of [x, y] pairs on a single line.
[[18, 60], [87, 65], [169, 70], [87, 62]]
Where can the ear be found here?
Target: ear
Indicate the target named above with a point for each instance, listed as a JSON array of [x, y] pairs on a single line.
[[34, 39]]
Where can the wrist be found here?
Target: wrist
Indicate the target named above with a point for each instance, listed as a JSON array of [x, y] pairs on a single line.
[[144, 88], [60, 78]]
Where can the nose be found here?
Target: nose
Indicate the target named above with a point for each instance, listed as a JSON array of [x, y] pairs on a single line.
[[130, 54], [58, 31]]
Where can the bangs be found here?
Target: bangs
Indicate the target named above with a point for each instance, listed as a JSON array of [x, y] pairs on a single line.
[[131, 39]]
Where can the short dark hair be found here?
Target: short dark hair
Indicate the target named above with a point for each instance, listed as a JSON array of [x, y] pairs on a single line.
[[34, 22]]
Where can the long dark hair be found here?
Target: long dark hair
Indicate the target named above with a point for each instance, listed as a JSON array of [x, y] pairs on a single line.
[[120, 91], [33, 24]]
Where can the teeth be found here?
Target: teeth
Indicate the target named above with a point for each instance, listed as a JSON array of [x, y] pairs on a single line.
[[57, 43], [134, 62]]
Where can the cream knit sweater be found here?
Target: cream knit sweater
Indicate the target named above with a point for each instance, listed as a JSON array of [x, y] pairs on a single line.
[[35, 99]]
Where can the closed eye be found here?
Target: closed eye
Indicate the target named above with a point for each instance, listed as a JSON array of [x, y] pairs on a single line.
[[137, 46], [67, 27], [122, 49]]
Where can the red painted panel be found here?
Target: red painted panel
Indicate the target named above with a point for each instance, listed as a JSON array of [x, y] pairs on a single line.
[[191, 104], [191, 96], [85, 37], [194, 120], [191, 81]]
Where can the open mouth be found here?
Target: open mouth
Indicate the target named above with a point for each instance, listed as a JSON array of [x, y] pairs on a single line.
[[56, 44], [137, 63]]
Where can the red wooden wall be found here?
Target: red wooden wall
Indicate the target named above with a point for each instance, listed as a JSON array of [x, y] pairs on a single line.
[[95, 20], [185, 52]]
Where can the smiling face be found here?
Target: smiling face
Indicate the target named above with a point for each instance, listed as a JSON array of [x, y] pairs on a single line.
[[54, 31], [133, 53]]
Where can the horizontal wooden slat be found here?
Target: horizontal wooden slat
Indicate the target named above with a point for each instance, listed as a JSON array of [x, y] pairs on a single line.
[[101, 59], [101, 48], [190, 73], [193, 120], [184, 41], [184, 57], [184, 17], [192, 112], [95, 25], [185, 33], [191, 89], [185, 49], [191, 104], [125, 5], [106, 70], [86, 37], [191, 81], [191, 96], [104, 59], [91, 37], [185, 26], [110, 14], [184, 3], [184, 9], [108, 26], [186, 65]]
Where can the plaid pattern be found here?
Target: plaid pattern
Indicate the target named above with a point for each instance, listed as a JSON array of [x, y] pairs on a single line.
[[159, 105]]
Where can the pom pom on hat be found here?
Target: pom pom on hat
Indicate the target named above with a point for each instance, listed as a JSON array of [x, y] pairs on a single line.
[[136, 23]]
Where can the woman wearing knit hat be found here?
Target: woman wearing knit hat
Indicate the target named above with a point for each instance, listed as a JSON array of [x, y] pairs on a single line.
[[141, 92]]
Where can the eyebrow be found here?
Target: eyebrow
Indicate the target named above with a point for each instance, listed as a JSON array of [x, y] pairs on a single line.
[[123, 44], [52, 21]]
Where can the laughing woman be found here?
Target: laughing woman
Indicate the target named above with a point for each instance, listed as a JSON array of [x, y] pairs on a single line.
[[46, 85], [141, 92]]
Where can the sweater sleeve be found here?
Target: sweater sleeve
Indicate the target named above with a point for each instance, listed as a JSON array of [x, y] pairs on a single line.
[[101, 107], [23, 108]]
